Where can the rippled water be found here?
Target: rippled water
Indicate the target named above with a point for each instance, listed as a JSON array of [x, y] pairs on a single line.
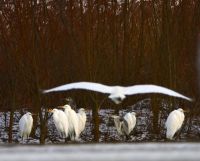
[[143, 131]]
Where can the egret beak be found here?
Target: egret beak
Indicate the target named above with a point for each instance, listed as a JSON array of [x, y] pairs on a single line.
[[33, 114], [50, 110], [185, 111]]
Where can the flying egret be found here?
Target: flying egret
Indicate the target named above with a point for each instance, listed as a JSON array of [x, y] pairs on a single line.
[[61, 122], [174, 122], [127, 124], [25, 125], [117, 93], [72, 120], [81, 120]]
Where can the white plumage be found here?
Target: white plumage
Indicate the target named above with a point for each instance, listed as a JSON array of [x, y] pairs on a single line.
[[81, 120], [174, 122], [25, 125], [61, 122], [117, 93], [76, 121], [127, 125], [73, 122]]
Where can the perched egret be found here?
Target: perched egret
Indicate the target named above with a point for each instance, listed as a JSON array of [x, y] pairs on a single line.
[[117, 93], [127, 124], [25, 125], [81, 120], [174, 122], [61, 122], [73, 122]]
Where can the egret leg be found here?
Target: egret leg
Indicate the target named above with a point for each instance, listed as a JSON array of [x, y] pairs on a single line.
[[73, 137], [66, 140], [18, 140], [27, 140], [22, 139], [178, 134], [124, 138], [128, 138], [169, 140], [61, 135]]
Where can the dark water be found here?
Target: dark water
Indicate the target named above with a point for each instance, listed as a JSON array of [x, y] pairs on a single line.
[[142, 133]]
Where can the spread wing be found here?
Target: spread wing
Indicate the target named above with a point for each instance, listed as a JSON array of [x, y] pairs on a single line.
[[81, 85], [142, 89]]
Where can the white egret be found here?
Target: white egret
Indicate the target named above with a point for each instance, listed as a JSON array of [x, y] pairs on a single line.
[[81, 120], [25, 125], [117, 93], [174, 122], [61, 122], [73, 122], [127, 124]]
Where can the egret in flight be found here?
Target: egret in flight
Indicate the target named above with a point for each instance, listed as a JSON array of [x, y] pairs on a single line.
[[174, 122], [25, 125], [60, 121], [117, 93], [127, 124]]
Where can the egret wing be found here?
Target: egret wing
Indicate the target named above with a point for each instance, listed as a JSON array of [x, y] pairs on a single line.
[[142, 89], [172, 123], [64, 122], [82, 119], [29, 124], [128, 122], [118, 124], [179, 118], [81, 123], [82, 85], [22, 123], [134, 121]]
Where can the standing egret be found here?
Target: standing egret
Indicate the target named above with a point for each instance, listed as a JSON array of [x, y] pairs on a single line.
[[117, 93], [127, 124], [73, 122], [174, 122], [81, 120], [25, 125], [61, 122]]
